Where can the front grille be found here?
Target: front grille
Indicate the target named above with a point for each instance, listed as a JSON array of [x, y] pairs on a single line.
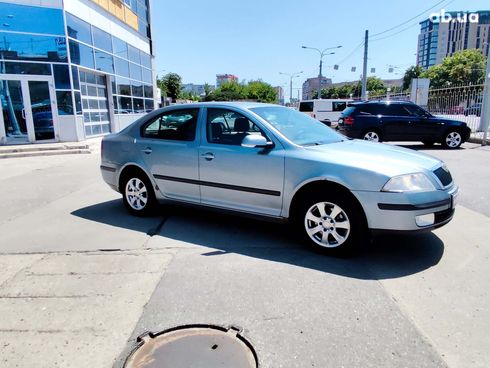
[[444, 176]]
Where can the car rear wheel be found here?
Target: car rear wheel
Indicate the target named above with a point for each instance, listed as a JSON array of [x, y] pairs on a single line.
[[452, 139], [138, 195], [372, 136], [331, 224]]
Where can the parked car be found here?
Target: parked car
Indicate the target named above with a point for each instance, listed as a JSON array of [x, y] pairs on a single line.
[[43, 125], [400, 121], [455, 110], [276, 163], [327, 111], [473, 110]]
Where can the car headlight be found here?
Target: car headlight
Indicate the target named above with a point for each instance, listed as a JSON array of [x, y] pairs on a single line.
[[417, 182]]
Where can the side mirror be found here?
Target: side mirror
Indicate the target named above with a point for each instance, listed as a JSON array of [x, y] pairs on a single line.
[[256, 141]]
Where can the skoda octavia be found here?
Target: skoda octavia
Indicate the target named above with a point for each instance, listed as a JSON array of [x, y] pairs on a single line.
[[278, 164]]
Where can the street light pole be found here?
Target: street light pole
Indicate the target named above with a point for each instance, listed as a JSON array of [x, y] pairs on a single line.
[[322, 54], [291, 76]]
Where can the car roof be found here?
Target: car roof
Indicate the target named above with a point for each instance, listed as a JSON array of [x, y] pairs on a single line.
[[380, 102], [239, 104]]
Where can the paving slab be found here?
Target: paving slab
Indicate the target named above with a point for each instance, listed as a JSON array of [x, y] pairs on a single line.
[[75, 310], [450, 302]]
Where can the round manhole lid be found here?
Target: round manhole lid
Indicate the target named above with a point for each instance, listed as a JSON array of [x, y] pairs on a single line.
[[193, 346]]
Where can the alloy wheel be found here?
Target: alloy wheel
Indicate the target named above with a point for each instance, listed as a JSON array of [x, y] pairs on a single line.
[[327, 224], [371, 136], [453, 140], [136, 194]]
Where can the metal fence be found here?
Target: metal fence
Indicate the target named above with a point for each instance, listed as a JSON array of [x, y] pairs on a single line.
[[462, 103]]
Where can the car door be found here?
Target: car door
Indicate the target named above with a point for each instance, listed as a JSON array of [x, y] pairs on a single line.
[[423, 125], [235, 177], [397, 123], [169, 147]]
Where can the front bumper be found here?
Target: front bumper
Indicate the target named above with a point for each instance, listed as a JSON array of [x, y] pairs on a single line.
[[408, 212]]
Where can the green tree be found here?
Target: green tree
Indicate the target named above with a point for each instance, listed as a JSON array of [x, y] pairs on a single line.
[[411, 73], [230, 91], [207, 90], [171, 83], [260, 91], [464, 67]]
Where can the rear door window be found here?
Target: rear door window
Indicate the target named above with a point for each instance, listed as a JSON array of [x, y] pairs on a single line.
[[177, 125], [370, 109]]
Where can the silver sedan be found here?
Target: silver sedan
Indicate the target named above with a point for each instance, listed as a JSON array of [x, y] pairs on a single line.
[[277, 164]]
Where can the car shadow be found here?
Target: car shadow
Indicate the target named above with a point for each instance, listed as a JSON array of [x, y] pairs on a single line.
[[386, 257], [435, 147]]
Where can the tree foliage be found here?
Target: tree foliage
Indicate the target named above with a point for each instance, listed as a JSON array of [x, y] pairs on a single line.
[[375, 86], [464, 67], [171, 85], [233, 91], [411, 73]]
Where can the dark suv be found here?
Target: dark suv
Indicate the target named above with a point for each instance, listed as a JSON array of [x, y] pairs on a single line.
[[400, 121]]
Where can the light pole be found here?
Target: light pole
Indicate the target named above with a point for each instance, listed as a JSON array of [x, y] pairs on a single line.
[[322, 54], [291, 76]]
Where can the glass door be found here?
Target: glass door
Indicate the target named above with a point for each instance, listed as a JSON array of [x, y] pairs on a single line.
[[27, 109], [42, 112], [13, 111]]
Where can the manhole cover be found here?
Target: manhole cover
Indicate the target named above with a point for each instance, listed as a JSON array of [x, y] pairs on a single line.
[[193, 346]]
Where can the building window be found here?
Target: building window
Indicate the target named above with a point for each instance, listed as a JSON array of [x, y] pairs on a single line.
[[82, 55], [78, 29], [102, 40], [15, 46], [35, 19]]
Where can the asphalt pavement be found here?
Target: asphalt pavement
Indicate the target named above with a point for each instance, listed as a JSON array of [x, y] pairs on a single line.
[[80, 279]]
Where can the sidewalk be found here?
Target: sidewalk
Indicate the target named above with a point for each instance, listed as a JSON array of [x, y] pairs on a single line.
[[50, 149], [73, 309]]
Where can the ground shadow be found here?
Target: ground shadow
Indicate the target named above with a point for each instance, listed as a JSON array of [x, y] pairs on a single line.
[[421, 146], [384, 258]]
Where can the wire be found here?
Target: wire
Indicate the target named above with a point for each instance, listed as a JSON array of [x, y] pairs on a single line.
[[350, 54], [411, 19]]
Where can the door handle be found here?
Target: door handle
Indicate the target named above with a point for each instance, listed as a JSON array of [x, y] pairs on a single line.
[[208, 156], [147, 150], [24, 114]]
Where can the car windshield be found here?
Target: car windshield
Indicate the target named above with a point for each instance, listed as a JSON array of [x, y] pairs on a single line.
[[298, 127]]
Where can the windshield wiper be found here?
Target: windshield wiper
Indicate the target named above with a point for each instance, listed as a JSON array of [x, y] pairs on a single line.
[[313, 144]]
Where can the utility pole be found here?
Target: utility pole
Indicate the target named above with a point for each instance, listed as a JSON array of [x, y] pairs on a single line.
[[364, 67], [485, 108]]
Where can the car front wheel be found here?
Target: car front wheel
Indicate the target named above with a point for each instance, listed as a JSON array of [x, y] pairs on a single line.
[[452, 139], [138, 195], [331, 224], [372, 135]]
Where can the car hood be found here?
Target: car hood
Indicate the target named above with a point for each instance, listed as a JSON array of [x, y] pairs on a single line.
[[381, 158]]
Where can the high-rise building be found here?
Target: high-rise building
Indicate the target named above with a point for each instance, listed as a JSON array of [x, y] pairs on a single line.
[[311, 85], [225, 78], [280, 94], [70, 70], [449, 32]]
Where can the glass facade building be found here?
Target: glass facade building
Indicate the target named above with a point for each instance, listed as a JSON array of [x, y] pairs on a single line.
[[73, 70]]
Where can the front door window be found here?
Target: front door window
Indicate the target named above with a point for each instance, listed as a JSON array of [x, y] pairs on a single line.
[[13, 111]]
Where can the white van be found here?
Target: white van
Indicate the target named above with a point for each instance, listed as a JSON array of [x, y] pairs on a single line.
[[327, 111]]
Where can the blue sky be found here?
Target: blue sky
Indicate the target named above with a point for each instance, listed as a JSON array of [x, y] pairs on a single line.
[[259, 38]]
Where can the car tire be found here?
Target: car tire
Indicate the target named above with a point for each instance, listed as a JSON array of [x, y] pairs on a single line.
[[452, 139], [331, 223], [428, 143], [138, 195], [372, 136]]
